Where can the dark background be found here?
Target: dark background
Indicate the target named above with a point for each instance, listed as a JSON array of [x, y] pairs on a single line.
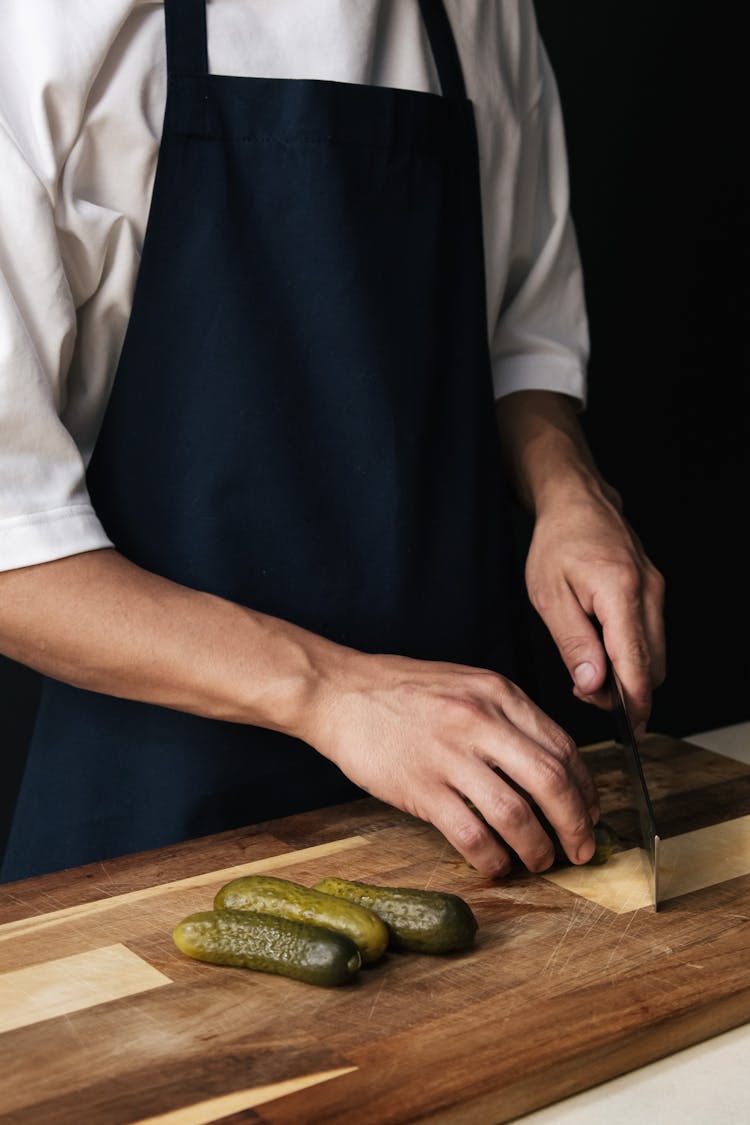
[[651, 101], [652, 106]]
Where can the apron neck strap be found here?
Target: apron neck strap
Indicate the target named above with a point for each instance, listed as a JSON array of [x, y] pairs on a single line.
[[444, 48], [187, 44]]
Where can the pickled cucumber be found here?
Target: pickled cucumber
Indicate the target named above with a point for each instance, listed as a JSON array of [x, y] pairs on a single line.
[[419, 921], [267, 894], [605, 840], [269, 944]]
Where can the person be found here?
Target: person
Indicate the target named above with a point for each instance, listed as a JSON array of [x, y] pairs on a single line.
[[282, 331]]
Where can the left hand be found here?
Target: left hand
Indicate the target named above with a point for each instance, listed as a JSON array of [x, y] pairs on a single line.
[[586, 561]]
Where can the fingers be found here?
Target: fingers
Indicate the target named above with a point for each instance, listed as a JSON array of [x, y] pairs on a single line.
[[578, 642], [626, 641], [430, 739], [586, 561], [538, 760], [537, 732], [636, 643], [465, 831], [649, 589], [509, 814], [654, 626], [629, 606]]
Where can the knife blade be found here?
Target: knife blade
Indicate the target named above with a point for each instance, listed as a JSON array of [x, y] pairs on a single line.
[[651, 840]]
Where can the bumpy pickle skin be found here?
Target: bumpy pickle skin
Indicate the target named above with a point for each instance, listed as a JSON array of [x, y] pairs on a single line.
[[268, 944], [606, 840], [418, 921], [267, 894]]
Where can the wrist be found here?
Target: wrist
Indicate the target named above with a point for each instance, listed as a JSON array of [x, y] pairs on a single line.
[[290, 678], [546, 451], [568, 482]]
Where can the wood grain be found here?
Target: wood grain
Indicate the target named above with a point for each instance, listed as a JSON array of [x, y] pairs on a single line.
[[558, 993], [88, 909]]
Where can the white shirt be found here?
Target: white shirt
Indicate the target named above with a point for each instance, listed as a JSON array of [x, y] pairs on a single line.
[[82, 92]]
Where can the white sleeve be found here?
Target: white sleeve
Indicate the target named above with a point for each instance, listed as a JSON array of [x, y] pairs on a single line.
[[45, 511], [540, 340]]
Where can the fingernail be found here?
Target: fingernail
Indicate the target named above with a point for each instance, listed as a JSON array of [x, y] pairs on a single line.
[[595, 814], [639, 731], [585, 852], [584, 676]]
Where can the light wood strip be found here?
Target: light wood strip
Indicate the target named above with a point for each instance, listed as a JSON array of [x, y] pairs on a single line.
[[98, 906], [621, 884], [705, 857], [215, 1108], [69, 984], [593, 747], [689, 862]]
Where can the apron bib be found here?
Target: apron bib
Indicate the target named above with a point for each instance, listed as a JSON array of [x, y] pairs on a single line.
[[301, 421]]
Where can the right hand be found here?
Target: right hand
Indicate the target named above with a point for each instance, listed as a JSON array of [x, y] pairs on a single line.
[[430, 737]]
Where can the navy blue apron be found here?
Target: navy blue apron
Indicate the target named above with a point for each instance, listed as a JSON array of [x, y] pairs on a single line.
[[301, 421]]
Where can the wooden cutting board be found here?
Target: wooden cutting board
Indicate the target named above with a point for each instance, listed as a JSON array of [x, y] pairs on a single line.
[[571, 981]]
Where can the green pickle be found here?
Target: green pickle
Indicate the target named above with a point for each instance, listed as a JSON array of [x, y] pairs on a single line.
[[418, 921], [606, 841], [267, 894], [269, 944]]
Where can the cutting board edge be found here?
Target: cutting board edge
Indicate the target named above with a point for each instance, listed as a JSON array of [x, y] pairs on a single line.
[[642, 1047]]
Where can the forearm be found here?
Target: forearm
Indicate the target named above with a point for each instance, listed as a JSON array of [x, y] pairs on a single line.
[[414, 733], [97, 621], [545, 449]]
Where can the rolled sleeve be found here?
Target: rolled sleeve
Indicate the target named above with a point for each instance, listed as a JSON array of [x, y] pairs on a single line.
[[540, 340], [44, 536], [538, 372], [45, 511]]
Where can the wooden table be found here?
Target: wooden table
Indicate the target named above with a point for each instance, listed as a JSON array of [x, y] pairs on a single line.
[[573, 978]]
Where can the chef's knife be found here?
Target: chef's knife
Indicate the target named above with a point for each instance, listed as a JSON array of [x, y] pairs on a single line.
[[626, 740]]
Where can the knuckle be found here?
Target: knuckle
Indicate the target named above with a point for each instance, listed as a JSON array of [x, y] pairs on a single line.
[[656, 582], [503, 687], [564, 746], [588, 785], [579, 829], [631, 574], [542, 597], [470, 836], [574, 649], [511, 812], [461, 709], [638, 653], [553, 776], [499, 691]]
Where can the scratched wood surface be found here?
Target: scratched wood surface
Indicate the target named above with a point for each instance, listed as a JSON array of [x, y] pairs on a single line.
[[105, 1021]]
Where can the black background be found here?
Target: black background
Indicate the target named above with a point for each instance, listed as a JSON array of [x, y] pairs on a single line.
[[652, 107], [651, 100]]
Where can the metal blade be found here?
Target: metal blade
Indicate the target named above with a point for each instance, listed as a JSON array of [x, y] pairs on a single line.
[[626, 739]]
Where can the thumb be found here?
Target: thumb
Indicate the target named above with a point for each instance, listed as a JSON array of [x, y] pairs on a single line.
[[579, 644]]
